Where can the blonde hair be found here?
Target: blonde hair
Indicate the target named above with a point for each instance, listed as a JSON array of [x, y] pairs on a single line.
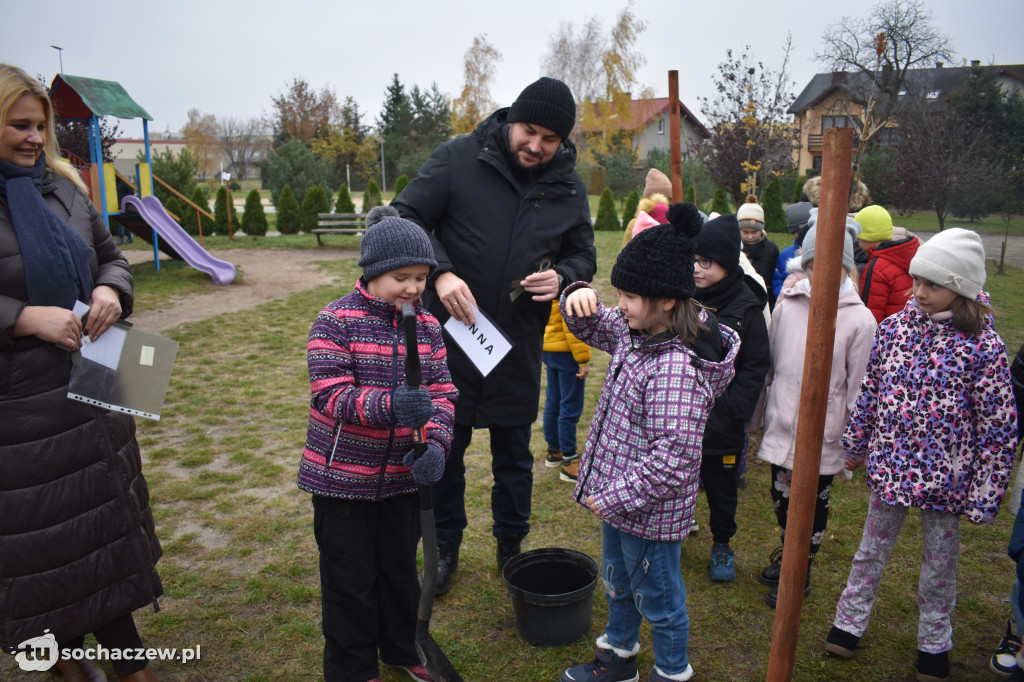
[[15, 84]]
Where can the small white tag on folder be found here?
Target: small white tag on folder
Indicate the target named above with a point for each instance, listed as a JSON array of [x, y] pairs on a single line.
[[483, 342]]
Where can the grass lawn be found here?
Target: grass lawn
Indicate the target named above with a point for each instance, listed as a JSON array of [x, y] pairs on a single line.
[[240, 563]]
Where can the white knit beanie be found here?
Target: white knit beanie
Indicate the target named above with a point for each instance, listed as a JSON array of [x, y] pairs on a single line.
[[953, 259], [750, 215]]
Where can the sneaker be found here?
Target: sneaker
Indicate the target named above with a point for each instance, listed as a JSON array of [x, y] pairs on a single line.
[[932, 667], [723, 570], [554, 459], [570, 470], [606, 667], [1004, 660], [841, 643], [658, 676], [773, 594], [416, 672], [770, 575], [508, 547]]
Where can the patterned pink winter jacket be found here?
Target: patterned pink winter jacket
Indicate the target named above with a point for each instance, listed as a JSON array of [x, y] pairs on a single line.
[[936, 416]]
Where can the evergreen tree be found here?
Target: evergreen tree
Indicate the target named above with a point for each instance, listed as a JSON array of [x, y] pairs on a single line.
[[798, 190], [188, 221], [630, 205], [314, 203], [721, 202], [344, 204], [400, 184], [606, 216], [371, 197], [289, 214], [220, 212], [689, 195], [771, 202], [254, 220], [173, 206]]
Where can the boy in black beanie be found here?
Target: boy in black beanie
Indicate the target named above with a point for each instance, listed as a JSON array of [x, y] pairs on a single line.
[[737, 301]]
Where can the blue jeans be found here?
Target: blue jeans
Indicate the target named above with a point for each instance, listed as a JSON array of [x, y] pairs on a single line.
[[642, 580], [564, 402], [512, 469]]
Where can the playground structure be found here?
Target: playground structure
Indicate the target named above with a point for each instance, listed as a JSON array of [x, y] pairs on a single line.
[[86, 100]]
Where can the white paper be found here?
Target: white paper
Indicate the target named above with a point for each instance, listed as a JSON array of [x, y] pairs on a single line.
[[107, 350], [482, 342]]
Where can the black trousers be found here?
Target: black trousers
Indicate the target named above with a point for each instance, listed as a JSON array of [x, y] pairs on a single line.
[[782, 480], [720, 486], [370, 590], [120, 633], [511, 494]]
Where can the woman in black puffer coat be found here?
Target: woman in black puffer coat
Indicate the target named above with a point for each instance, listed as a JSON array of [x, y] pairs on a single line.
[[78, 550]]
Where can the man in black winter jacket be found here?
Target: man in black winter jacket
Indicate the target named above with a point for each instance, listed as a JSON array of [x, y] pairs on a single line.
[[510, 224]]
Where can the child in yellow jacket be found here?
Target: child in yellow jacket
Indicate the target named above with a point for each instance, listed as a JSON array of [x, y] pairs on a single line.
[[566, 359]]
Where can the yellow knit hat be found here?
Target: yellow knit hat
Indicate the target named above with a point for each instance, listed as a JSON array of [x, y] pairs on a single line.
[[875, 223]]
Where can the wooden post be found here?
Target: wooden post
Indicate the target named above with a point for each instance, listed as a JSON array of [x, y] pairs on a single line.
[[199, 226], [674, 126], [821, 333], [231, 206]]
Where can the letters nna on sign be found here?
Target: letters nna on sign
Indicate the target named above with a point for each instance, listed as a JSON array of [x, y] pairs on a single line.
[[483, 342]]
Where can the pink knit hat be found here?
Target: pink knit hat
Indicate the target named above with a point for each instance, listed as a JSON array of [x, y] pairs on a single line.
[[643, 221]]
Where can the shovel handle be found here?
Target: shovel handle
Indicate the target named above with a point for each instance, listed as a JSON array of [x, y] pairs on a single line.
[[413, 371]]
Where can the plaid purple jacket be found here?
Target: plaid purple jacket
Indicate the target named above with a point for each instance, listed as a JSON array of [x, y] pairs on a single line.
[[356, 355], [642, 458]]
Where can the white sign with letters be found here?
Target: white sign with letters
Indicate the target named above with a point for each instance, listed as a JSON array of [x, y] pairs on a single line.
[[483, 342]]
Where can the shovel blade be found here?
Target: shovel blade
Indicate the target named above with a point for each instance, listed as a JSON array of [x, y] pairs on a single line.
[[437, 664]]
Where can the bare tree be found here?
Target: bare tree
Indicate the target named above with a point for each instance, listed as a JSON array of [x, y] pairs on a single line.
[[200, 134], [244, 143], [575, 58], [474, 103], [302, 114], [878, 53], [753, 137]]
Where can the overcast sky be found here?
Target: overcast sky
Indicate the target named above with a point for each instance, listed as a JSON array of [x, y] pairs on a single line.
[[230, 58]]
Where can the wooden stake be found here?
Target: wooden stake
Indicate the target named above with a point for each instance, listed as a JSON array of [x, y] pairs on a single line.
[[674, 126], [821, 332], [227, 192]]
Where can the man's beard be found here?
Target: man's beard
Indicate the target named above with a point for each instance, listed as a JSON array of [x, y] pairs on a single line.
[[535, 169]]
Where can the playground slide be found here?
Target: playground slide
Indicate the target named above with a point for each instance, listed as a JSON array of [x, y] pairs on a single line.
[[152, 211]]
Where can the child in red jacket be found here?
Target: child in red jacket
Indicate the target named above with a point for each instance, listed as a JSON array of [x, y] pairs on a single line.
[[885, 283]]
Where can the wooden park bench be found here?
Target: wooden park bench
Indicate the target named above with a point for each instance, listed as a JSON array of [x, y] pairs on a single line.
[[339, 223]]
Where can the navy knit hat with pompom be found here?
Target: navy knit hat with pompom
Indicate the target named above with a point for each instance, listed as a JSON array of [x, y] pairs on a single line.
[[392, 242], [658, 262]]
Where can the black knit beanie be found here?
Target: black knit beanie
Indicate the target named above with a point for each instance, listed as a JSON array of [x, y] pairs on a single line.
[[658, 262], [392, 242], [546, 102], [719, 240]]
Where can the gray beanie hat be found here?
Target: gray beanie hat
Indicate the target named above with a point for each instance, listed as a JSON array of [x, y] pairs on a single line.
[[392, 242], [954, 259], [797, 216], [807, 250], [546, 102]]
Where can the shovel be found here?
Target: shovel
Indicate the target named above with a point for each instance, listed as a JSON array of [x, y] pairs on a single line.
[[437, 664]]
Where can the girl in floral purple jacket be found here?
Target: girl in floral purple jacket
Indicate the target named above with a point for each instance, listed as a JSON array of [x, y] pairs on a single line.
[[640, 467], [935, 423]]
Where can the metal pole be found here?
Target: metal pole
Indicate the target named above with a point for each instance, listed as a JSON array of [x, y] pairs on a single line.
[[60, 55], [810, 430], [675, 149]]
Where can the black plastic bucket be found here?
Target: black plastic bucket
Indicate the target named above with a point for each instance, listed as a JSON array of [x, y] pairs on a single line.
[[552, 594]]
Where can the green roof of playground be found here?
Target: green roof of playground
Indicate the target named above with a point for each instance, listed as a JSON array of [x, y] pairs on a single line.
[[76, 98]]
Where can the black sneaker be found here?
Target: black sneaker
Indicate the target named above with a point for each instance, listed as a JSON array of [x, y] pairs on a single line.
[[606, 667], [508, 547], [841, 642], [932, 667], [770, 575], [1004, 660]]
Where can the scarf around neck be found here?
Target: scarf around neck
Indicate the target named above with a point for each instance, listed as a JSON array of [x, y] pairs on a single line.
[[55, 257]]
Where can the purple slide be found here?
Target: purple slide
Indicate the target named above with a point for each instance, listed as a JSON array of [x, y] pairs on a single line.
[[153, 212]]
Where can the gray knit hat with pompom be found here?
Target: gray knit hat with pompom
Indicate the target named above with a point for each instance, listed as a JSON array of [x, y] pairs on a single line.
[[392, 242]]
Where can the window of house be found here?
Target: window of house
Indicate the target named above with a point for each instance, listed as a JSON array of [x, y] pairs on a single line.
[[816, 163], [835, 122], [661, 126]]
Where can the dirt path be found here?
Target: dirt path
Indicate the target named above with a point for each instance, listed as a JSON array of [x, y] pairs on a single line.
[[268, 274]]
